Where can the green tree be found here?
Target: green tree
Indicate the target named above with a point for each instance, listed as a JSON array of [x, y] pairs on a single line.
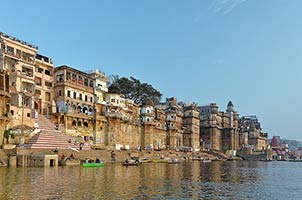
[[7, 134], [133, 89]]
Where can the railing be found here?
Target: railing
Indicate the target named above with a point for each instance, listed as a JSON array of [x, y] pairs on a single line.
[[18, 40]]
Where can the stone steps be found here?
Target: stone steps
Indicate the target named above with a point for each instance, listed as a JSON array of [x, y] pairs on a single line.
[[50, 138]]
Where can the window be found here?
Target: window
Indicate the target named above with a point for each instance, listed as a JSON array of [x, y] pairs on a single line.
[[86, 98], [68, 76], [10, 50], [91, 100], [74, 77], [74, 95], [68, 93], [28, 114], [39, 69], [48, 84], [80, 80], [47, 72], [60, 78], [113, 100], [86, 81], [91, 84], [60, 93], [80, 96], [12, 112]]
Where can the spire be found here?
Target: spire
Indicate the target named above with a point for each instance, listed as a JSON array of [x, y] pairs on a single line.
[[230, 104]]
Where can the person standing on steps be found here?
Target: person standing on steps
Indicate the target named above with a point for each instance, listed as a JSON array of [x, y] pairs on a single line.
[[81, 145], [113, 156]]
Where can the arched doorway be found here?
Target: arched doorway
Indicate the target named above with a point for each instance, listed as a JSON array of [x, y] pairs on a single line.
[[74, 123]]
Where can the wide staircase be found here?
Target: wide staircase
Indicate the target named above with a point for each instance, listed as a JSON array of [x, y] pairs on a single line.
[[50, 138]]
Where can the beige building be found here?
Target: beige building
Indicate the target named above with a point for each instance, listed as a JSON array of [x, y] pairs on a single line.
[[19, 60], [4, 103], [76, 101], [191, 125], [250, 133], [122, 130], [44, 83], [174, 123], [219, 130]]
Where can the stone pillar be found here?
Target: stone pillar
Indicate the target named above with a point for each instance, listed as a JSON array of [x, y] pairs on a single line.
[[12, 161]]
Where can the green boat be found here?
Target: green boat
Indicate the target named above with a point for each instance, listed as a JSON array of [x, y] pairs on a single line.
[[101, 164]]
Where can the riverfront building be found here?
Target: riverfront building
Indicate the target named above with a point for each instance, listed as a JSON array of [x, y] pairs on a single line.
[[251, 133], [81, 105], [219, 130], [4, 103]]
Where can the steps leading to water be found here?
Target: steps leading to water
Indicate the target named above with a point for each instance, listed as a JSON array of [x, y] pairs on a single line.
[[50, 138]]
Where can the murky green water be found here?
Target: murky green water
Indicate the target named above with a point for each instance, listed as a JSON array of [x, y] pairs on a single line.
[[188, 180]]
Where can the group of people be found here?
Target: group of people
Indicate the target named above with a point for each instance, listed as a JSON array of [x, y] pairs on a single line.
[[97, 160]]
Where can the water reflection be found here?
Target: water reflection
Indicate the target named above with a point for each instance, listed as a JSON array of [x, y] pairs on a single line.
[[188, 180]]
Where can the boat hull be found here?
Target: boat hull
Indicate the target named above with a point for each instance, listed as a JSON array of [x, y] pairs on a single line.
[[102, 164]]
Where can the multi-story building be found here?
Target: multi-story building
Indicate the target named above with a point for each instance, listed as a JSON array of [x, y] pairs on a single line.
[[219, 130], [122, 121], [4, 103], [75, 98], [251, 134], [174, 122], [191, 124], [44, 84], [19, 60]]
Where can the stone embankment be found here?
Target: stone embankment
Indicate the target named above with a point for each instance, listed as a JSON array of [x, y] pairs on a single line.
[[121, 155]]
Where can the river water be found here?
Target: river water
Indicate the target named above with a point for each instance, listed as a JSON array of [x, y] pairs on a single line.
[[187, 180]]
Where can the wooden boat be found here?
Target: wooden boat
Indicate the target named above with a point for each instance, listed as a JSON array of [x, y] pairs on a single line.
[[131, 164], [101, 164], [145, 160], [295, 160], [160, 161]]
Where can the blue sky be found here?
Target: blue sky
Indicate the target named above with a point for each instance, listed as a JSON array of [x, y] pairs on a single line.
[[247, 51]]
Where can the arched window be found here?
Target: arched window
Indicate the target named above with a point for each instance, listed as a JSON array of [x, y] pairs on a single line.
[[79, 109], [74, 123], [85, 110], [79, 123], [85, 124]]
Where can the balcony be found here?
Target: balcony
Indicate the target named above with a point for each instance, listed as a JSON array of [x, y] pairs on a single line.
[[4, 91], [113, 114]]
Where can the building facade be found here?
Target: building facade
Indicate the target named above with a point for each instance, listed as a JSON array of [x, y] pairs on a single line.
[[30, 80], [4, 104], [251, 134], [191, 126], [219, 130]]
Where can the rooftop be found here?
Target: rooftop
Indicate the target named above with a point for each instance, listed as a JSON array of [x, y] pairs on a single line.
[[18, 40]]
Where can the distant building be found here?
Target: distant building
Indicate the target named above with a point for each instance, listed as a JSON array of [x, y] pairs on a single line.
[[219, 130], [251, 134], [191, 124]]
